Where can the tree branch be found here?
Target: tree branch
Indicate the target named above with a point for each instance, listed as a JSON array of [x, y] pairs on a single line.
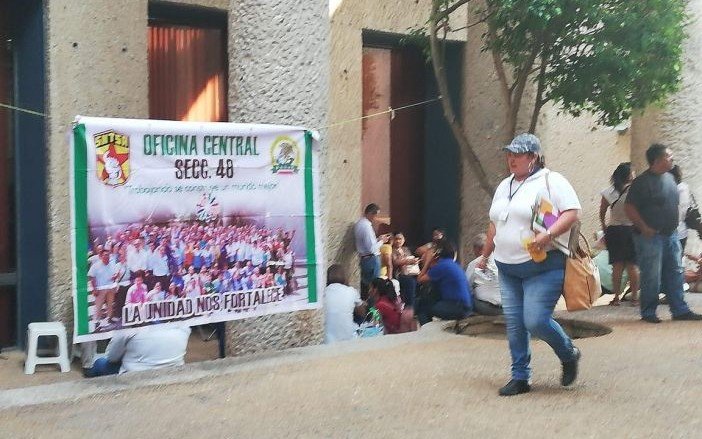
[[539, 102], [441, 14], [456, 126], [521, 81]]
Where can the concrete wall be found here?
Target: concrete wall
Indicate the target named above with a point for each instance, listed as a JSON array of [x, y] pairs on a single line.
[[278, 63], [586, 154], [343, 169], [678, 124], [97, 66]]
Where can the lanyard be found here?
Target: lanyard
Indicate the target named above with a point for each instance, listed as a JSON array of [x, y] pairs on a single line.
[[511, 195]]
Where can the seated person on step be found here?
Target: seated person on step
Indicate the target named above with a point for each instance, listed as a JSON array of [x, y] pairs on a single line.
[[483, 282], [154, 347], [341, 303], [396, 318], [449, 280]]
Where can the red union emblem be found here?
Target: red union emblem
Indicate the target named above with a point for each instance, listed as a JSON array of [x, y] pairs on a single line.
[[112, 157]]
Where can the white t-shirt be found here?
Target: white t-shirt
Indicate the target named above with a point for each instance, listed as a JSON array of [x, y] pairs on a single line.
[[339, 303], [484, 283], [102, 273], [152, 348], [617, 213], [685, 201], [512, 216], [364, 238]]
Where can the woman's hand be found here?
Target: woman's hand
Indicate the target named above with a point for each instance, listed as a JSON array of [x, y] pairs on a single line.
[[540, 241]]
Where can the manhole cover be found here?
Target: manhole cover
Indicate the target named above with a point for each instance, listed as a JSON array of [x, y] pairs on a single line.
[[494, 327]]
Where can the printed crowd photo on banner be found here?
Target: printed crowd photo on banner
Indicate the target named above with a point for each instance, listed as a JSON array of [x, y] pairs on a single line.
[[190, 223]]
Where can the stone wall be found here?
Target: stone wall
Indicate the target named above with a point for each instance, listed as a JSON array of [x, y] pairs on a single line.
[[97, 66], [678, 124], [278, 64]]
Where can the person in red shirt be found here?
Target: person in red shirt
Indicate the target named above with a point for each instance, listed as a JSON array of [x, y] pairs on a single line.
[[386, 302]]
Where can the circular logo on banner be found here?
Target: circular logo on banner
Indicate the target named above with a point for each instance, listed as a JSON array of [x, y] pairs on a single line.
[[285, 156]]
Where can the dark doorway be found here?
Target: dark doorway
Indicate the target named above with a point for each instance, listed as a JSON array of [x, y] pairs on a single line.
[[393, 143], [8, 283], [23, 221], [409, 157]]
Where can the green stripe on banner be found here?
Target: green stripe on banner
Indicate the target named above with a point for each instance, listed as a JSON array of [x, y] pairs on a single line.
[[310, 223], [80, 199]]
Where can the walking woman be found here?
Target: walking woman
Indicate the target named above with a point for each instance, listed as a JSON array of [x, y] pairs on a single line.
[[619, 236], [531, 289]]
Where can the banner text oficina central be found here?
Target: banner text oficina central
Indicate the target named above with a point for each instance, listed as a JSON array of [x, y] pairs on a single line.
[[187, 145]]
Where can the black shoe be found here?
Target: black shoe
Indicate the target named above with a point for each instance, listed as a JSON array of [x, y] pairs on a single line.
[[651, 319], [515, 387], [688, 316], [570, 369]]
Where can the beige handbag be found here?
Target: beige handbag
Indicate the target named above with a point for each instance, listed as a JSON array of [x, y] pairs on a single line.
[[581, 286]]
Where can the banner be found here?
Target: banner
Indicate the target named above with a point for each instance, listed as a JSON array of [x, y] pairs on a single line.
[[190, 223]]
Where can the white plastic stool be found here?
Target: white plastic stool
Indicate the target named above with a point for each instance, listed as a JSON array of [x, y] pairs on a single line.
[[43, 329]]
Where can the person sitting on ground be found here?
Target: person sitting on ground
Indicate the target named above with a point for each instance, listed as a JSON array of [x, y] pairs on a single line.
[[155, 347], [341, 303], [437, 235], [406, 269], [448, 278], [484, 282], [386, 302]]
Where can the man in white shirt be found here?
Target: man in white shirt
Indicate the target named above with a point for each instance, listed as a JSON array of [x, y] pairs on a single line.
[[155, 347], [340, 303], [484, 283], [368, 246], [157, 263], [102, 275], [137, 257]]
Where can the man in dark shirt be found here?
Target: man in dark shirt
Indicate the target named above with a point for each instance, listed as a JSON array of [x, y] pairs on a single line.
[[449, 279], [652, 205]]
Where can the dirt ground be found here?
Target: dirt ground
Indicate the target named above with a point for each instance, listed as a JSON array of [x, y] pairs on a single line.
[[639, 381]]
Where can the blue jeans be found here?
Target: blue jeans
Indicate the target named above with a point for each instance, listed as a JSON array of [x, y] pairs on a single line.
[[408, 288], [660, 263], [530, 291], [370, 269], [103, 367]]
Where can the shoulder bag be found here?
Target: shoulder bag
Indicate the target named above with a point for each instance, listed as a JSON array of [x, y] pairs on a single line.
[[581, 286]]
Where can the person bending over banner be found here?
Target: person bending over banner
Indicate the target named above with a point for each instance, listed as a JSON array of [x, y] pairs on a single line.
[[155, 348]]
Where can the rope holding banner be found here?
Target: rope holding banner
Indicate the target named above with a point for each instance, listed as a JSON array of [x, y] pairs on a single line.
[[23, 110], [390, 110]]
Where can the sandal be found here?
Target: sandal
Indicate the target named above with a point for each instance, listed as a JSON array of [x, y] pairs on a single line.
[[615, 302], [635, 302]]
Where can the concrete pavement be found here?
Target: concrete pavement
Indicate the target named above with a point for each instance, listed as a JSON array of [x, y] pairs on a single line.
[[642, 380]]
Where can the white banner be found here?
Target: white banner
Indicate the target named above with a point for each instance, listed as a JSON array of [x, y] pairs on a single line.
[[187, 222]]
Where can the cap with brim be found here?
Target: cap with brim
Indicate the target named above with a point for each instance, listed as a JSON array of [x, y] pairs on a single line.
[[523, 144]]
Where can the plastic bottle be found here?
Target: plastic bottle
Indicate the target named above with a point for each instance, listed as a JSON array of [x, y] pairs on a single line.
[[527, 237]]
